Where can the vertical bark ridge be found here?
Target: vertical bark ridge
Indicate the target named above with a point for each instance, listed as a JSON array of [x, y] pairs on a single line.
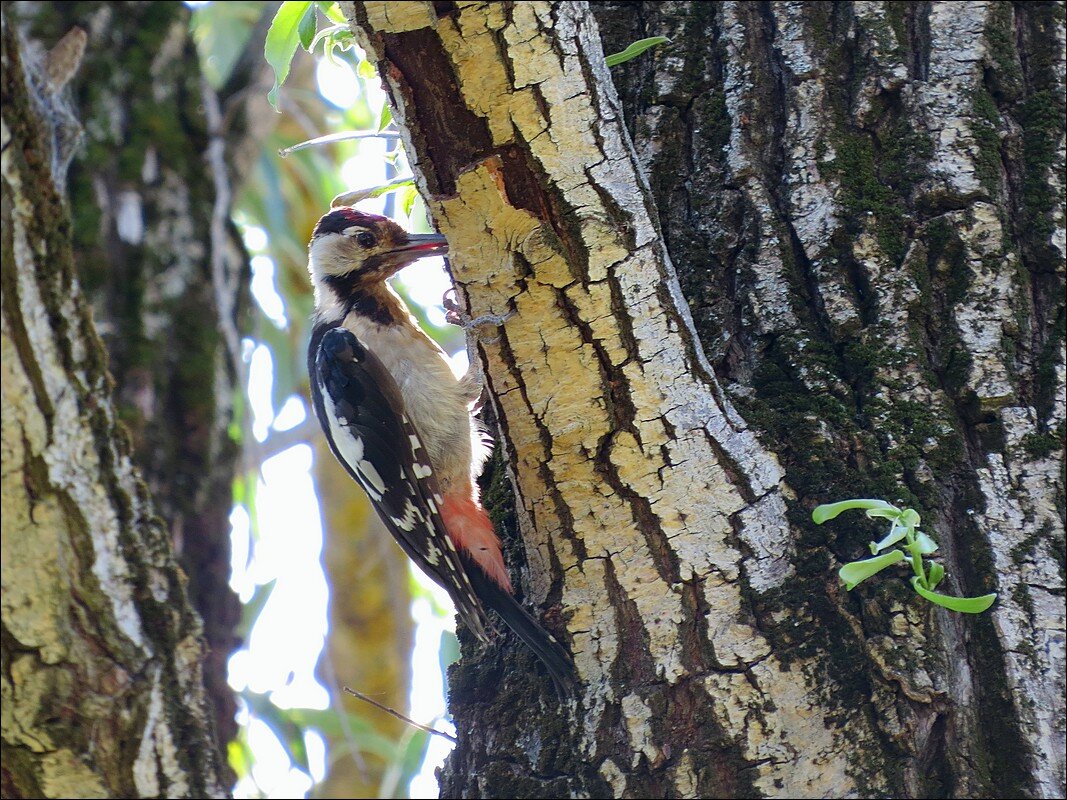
[[548, 378]]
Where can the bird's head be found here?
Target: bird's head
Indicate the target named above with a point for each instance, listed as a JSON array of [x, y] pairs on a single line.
[[352, 249]]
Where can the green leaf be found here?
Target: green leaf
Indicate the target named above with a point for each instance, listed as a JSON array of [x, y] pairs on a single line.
[[402, 767], [856, 572], [306, 29], [885, 513], [282, 40], [386, 117], [910, 517], [366, 70], [353, 197], [634, 50], [334, 36], [239, 487], [240, 755], [896, 533], [290, 733], [354, 728], [828, 511], [408, 196], [925, 543], [251, 610], [332, 11], [411, 756], [322, 34], [966, 605], [934, 576], [221, 31]]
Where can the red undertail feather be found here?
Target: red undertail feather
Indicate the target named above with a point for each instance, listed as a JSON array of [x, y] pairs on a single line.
[[470, 529]]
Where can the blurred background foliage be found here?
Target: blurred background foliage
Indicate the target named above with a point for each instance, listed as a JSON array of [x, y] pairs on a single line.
[[301, 733]]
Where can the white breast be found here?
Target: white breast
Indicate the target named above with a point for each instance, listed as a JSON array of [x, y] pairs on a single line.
[[433, 400]]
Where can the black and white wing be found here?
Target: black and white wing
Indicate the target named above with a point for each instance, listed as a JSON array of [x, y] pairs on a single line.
[[361, 411]]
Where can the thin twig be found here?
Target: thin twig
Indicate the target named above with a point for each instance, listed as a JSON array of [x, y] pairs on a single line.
[[400, 716], [354, 749], [330, 138]]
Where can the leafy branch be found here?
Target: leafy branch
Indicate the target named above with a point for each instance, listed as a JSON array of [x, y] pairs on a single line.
[[297, 24], [903, 527]]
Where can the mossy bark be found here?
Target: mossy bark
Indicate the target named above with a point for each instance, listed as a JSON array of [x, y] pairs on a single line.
[[864, 205], [102, 653], [166, 280], [899, 167]]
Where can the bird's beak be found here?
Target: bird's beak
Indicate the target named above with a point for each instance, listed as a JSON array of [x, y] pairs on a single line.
[[421, 245]]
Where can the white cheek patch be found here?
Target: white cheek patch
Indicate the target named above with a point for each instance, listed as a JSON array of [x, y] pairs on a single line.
[[324, 259]]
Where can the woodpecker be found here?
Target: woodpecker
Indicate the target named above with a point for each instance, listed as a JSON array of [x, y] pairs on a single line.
[[400, 423]]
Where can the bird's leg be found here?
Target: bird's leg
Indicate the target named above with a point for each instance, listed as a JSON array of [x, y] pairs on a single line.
[[454, 313], [472, 381]]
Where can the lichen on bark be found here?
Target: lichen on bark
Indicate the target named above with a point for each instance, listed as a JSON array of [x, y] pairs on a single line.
[[913, 372], [101, 676], [637, 483], [865, 205], [143, 191]]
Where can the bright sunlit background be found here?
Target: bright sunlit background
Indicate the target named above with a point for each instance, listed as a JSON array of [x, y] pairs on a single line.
[[289, 713]]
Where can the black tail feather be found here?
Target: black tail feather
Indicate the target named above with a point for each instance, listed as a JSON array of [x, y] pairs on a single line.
[[545, 646]]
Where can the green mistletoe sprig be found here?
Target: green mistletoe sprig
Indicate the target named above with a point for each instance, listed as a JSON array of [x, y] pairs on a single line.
[[903, 527]]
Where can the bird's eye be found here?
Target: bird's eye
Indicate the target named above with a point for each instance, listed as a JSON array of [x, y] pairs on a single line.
[[365, 239]]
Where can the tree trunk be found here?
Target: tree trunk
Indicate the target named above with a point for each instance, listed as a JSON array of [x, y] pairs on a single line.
[[864, 202], [899, 167], [155, 251], [102, 685]]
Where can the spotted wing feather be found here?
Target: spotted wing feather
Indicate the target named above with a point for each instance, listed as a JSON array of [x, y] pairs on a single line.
[[360, 409]]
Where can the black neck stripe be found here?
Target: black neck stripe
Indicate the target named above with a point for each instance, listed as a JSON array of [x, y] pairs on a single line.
[[355, 299]]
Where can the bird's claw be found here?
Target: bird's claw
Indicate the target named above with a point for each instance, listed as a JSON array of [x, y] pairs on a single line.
[[454, 313]]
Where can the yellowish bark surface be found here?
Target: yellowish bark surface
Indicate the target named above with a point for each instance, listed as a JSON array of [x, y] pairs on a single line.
[[639, 486]]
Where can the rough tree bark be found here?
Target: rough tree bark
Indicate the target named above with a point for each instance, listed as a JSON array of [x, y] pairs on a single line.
[[865, 205], [101, 651], [164, 269]]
